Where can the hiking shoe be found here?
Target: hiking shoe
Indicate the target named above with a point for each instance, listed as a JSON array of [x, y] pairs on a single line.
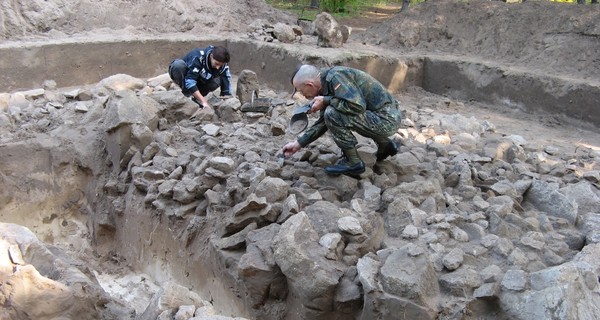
[[351, 170], [390, 149], [342, 161]]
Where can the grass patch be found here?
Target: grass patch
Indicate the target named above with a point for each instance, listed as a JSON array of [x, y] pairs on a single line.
[[337, 8], [348, 8]]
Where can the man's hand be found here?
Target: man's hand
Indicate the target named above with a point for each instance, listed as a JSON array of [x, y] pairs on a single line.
[[200, 103], [200, 100], [317, 104], [291, 148]]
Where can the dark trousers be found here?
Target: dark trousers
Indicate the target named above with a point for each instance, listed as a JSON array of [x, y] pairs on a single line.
[[178, 70]]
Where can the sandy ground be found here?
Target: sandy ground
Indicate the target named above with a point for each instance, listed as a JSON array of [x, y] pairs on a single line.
[[543, 37], [539, 37]]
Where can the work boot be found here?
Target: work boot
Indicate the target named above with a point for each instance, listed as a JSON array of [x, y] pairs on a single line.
[[351, 170], [350, 164], [342, 161], [389, 149]]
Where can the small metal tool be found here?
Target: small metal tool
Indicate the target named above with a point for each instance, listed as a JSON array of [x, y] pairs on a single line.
[[299, 120]]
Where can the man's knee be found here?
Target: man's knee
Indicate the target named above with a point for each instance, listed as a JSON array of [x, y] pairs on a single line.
[[208, 87], [178, 63], [332, 117], [177, 70]]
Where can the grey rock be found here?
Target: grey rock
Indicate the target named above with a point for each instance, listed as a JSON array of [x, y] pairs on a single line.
[[119, 82], [329, 33], [412, 278], [486, 291], [460, 283], [350, 225], [273, 189], [247, 86], [491, 273], [454, 259], [544, 198], [515, 280], [296, 249], [284, 33], [410, 232], [584, 195]]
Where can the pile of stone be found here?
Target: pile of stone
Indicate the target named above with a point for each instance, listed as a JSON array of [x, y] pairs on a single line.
[[463, 220], [328, 32]]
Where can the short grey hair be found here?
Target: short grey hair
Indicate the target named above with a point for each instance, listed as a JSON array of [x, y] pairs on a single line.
[[305, 72]]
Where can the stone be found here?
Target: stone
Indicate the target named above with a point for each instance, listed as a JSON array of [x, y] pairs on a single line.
[[515, 280], [350, 225], [273, 189], [412, 278], [296, 249], [329, 33], [410, 232], [454, 259]]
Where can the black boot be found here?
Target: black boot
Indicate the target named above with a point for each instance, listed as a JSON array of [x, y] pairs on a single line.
[[389, 149], [352, 165]]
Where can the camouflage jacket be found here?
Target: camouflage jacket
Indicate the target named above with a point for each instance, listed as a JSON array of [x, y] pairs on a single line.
[[350, 91]]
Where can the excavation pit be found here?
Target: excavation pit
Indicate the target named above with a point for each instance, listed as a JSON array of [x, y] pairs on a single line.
[[82, 187]]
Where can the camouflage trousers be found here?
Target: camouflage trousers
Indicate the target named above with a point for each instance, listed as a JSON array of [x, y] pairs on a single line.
[[377, 125]]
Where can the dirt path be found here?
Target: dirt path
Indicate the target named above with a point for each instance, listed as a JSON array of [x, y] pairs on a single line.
[[370, 16]]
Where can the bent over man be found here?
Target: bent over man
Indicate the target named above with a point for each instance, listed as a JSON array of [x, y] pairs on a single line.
[[349, 100], [202, 71]]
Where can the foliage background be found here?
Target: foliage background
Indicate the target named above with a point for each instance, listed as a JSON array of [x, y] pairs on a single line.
[[306, 8]]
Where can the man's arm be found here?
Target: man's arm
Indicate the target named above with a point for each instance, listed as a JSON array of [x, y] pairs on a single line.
[[191, 80], [201, 100], [225, 81], [314, 132]]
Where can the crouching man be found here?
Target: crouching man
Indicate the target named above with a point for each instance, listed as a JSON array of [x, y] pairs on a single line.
[[349, 100]]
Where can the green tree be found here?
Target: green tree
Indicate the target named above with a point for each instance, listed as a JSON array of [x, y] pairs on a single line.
[[338, 6]]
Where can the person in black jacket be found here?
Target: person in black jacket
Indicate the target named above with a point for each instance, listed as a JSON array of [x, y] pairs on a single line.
[[202, 71]]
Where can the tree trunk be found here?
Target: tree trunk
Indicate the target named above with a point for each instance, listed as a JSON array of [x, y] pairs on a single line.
[[405, 4]]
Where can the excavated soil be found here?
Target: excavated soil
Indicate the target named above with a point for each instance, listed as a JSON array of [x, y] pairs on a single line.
[[536, 37]]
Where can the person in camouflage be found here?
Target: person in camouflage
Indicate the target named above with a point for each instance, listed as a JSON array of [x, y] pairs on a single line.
[[349, 100]]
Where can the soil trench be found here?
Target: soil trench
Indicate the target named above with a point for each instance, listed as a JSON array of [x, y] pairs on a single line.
[[202, 213]]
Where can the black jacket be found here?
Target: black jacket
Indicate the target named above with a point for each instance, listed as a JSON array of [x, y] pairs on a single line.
[[199, 72]]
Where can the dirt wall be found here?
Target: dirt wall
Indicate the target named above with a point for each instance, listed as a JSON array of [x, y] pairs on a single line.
[[513, 88], [76, 63]]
